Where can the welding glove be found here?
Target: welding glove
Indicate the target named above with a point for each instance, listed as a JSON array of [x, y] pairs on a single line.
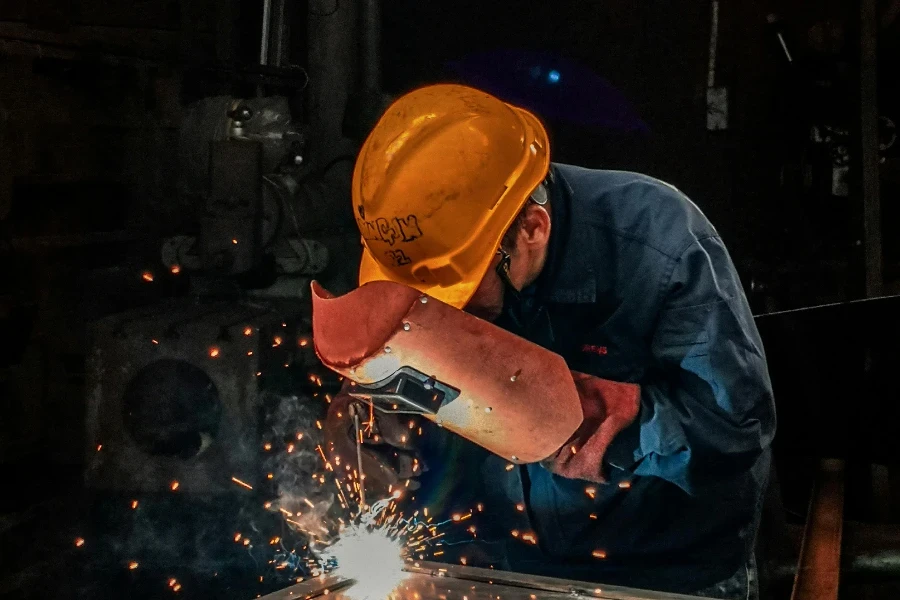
[[608, 408], [390, 459]]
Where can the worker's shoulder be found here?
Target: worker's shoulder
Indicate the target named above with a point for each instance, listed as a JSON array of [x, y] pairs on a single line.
[[636, 207]]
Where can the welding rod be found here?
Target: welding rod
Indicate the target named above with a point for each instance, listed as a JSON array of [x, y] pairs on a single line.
[[362, 477]]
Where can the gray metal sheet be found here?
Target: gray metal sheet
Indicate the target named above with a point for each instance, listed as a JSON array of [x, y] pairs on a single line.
[[434, 581]]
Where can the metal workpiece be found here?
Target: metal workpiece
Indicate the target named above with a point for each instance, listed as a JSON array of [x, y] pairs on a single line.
[[433, 581]]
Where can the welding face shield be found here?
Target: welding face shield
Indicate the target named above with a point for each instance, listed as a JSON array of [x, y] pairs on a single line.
[[407, 352]]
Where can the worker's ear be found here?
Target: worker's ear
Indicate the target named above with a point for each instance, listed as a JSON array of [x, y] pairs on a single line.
[[535, 231]]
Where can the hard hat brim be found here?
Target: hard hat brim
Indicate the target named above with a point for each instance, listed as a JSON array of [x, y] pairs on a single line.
[[457, 295]]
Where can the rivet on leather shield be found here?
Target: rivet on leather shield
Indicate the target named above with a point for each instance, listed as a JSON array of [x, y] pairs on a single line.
[[411, 353]]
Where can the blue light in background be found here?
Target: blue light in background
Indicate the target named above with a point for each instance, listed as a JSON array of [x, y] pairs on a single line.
[[553, 76]]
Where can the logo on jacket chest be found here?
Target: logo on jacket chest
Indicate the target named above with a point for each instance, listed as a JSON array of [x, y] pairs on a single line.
[[594, 349]]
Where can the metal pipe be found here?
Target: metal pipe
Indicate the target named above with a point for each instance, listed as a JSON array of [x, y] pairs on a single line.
[[819, 568], [264, 36], [370, 45]]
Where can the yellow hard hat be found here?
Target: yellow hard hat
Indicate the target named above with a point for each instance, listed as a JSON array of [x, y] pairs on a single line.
[[438, 182]]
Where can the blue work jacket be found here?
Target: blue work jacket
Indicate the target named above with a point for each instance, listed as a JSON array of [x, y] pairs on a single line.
[[638, 287]]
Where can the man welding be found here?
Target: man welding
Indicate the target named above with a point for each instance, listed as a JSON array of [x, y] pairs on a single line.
[[660, 486]]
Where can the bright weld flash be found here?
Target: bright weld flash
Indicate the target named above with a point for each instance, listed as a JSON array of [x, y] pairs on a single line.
[[371, 558]]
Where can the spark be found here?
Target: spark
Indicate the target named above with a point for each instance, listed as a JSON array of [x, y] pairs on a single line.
[[267, 446], [286, 512], [574, 450], [591, 492], [310, 504], [133, 565], [530, 538], [290, 448], [134, 504], [237, 537], [303, 342], [624, 485], [598, 554], [174, 485], [147, 276], [248, 331], [277, 341], [213, 352], [299, 436], [176, 269], [155, 342], [99, 447], [520, 507], [79, 542], [353, 554], [241, 483], [510, 467], [234, 242], [250, 353]]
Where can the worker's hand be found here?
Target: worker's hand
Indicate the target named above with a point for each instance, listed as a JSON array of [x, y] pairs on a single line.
[[390, 462]]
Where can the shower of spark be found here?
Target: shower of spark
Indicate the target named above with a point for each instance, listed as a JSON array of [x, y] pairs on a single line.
[[372, 557]]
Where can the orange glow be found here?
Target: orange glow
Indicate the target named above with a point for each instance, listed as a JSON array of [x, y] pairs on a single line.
[[624, 485], [250, 353], [277, 341], [591, 491], [456, 518], [241, 483], [176, 269], [299, 436], [99, 447], [480, 507], [132, 565], [598, 554], [213, 352], [134, 504], [248, 331], [290, 448], [593, 516], [464, 561], [176, 587], [574, 450], [155, 342], [174, 485], [246, 542], [237, 537], [267, 446], [529, 537], [269, 475], [234, 241], [510, 467], [515, 533], [520, 507], [147, 276], [79, 542], [303, 342]]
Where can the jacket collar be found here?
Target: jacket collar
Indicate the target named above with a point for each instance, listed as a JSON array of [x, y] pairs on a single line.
[[568, 276]]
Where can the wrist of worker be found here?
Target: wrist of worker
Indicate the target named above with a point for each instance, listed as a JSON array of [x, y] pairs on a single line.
[[608, 436]]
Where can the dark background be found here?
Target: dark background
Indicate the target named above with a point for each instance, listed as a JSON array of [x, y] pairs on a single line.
[[93, 96]]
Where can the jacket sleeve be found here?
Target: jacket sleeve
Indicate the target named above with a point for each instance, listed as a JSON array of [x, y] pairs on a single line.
[[706, 407]]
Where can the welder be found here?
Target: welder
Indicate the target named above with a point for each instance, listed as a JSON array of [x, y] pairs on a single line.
[[623, 277]]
